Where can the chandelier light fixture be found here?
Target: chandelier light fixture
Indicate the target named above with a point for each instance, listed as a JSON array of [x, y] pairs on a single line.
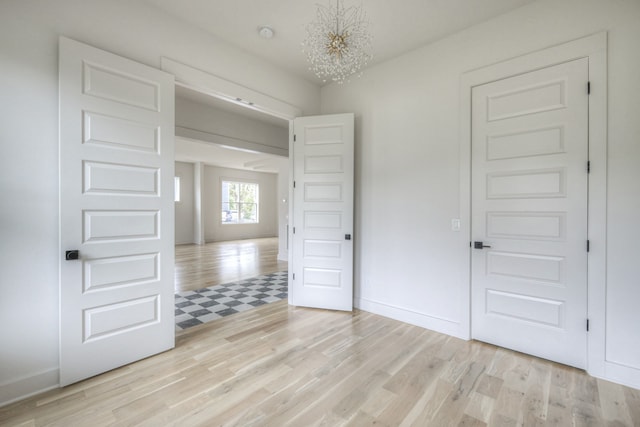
[[338, 44]]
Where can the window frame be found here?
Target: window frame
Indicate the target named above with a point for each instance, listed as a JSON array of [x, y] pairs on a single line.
[[238, 221], [177, 189]]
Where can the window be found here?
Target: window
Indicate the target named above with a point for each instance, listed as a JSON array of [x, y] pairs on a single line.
[[239, 202], [176, 188]]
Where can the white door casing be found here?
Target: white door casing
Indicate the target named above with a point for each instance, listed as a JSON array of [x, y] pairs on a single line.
[[116, 208], [321, 251], [529, 204]]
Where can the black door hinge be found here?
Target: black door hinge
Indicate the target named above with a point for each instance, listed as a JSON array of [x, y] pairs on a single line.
[[588, 88], [588, 245], [587, 325], [294, 230], [589, 166], [294, 138], [294, 276], [294, 184]]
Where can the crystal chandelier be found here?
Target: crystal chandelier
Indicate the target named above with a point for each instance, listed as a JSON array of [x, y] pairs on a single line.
[[337, 43]]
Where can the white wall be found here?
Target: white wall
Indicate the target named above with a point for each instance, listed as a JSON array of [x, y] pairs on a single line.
[[29, 251], [184, 214], [214, 230], [407, 166]]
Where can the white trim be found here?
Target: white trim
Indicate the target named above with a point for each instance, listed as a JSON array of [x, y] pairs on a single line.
[[618, 373], [290, 216], [27, 386], [218, 87], [593, 47], [438, 324]]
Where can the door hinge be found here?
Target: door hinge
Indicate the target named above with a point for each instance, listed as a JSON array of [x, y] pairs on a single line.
[[589, 166], [294, 230], [587, 325], [588, 245], [294, 138], [294, 276], [588, 88], [294, 184]]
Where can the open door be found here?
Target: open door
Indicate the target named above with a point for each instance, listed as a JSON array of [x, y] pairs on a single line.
[[116, 211], [321, 253]]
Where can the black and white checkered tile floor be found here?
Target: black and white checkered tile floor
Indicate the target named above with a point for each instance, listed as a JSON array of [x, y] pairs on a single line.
[[204, 305]]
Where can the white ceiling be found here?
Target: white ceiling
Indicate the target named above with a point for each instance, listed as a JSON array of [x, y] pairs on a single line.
[[397, 26]]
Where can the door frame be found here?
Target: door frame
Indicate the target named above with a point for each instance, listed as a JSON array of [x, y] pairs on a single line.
[[593, 47], [201, 81]]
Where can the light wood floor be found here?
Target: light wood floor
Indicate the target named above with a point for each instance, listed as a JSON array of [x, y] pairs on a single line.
[[284, 366], [200, 266]]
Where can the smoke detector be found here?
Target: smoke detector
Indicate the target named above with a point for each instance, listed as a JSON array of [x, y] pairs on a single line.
[[265, 32]]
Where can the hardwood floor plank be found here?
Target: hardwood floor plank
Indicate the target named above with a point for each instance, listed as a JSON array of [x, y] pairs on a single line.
[[469, 421], [480, 407], [613, 402], [632, 398]]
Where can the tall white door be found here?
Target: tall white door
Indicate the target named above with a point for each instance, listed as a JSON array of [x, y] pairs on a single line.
[[116, 210], [529, 210], [321, 270]]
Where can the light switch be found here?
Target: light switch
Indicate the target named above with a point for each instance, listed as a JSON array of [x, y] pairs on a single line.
[[455, 224]]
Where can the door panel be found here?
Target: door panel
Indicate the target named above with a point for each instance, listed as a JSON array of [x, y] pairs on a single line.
[[529, 208], [116, 208], [321, 270]]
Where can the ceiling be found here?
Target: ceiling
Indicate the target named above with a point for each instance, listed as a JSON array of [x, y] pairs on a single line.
[[397, 26]]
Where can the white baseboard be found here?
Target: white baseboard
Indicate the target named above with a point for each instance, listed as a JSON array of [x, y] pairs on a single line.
[[620, 374], [283, 257], [445, 326], [21, 388]]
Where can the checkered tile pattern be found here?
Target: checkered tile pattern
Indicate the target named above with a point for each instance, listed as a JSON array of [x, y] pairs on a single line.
[[204, 305]]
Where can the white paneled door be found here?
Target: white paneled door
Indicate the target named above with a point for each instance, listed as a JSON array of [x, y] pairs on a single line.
[[321, 270], [529, 212], [116, 210]]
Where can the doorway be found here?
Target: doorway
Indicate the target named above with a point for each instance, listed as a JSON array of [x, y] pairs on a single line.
[[221, 148]]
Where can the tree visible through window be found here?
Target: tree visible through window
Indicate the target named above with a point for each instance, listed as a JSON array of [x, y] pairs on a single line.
[[239, 202]]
